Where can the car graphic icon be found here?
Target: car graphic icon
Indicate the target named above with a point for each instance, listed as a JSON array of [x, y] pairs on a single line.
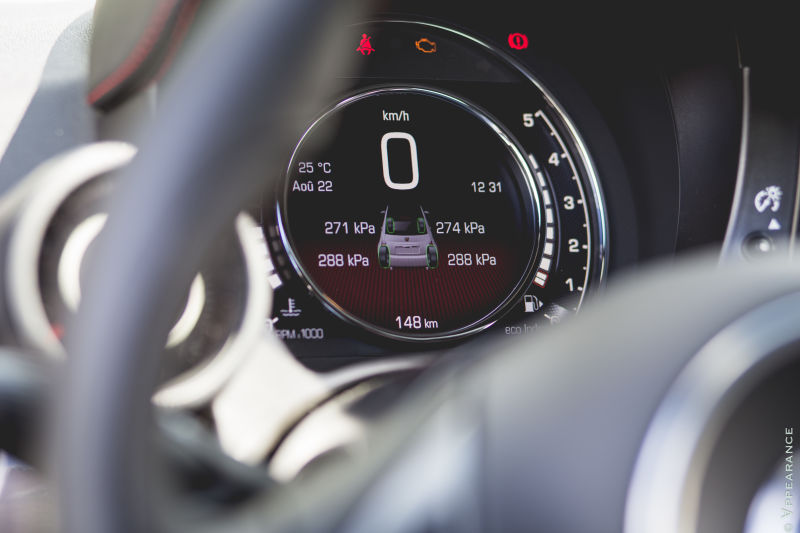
[[406, 239]]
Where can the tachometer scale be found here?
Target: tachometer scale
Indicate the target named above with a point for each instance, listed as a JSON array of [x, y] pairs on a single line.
[[445, 192]]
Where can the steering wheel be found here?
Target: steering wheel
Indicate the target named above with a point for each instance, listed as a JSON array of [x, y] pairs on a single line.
[[663, 416]]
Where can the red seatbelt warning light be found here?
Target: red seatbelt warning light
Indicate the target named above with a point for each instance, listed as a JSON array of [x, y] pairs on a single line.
[[518, 41], [365, 47]]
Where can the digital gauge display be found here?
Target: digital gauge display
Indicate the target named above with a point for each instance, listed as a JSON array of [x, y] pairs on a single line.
[[412, 212], [442, 191]]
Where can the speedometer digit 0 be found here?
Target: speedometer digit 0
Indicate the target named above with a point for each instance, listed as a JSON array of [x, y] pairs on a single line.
[[429, 210]]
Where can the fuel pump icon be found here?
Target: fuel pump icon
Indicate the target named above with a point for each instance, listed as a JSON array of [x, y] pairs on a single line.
[[532, 303]]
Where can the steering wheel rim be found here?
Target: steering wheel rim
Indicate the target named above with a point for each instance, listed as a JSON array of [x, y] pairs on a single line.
[[211, 180], [105, 453]]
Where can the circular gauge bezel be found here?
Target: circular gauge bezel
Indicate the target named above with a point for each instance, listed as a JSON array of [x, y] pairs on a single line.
[[528, 185], [588, 183], [38, 198]]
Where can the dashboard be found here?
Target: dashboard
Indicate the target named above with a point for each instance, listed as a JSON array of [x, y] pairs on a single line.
[[578, 173], [468, 174], [464, 175]]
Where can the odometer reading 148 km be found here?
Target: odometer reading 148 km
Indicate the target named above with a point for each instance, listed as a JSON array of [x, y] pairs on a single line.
[[399, 226]]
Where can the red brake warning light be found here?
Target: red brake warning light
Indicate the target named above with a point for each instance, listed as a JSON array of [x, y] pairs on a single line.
[[518, 41]]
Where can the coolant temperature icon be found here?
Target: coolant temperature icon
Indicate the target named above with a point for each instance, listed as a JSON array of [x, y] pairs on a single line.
[[291, 310]]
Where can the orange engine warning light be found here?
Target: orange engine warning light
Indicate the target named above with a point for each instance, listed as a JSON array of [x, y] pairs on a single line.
[[426, 46], [365, 47]]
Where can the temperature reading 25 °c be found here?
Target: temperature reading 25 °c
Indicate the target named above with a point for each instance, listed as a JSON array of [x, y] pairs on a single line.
[[307, 167]]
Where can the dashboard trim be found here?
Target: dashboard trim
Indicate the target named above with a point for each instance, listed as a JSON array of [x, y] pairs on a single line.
[[728, 245]]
